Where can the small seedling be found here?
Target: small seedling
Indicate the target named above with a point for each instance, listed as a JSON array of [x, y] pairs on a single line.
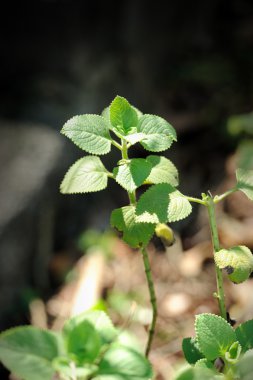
[[88, 347]]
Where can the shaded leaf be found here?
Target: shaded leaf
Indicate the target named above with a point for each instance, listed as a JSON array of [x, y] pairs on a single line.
[[83, 342], [123, 116], [162, 203], [163, 171], [244, 334], [245, 182], [134, 233], [191, 350], [132, 174]]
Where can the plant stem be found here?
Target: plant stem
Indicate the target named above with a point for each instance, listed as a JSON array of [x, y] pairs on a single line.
[[196, 200], [219, 198], [124, 149], [132, 199], [152, 298], [216, 246], [115, 143]]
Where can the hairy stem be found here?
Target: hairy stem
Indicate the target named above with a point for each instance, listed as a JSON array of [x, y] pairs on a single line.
[[216, 246], [152, 297], [132, 199], [196, 200], [115, 143], [219, 198]]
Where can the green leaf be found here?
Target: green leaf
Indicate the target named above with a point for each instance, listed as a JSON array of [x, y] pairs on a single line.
[[204, 363], [106, 114], [86, 175], [100, 321], [134, 233], [234, 352], [123, 363], [163, 171], [245, 182], [197, 373], [244, 155], [244, 334], [245, 366], [159, 133], [89, 132], [64, 366], [162, 203], [191, 350], [214, 335], [132, 174], [123, 116], [237, 261], [133, 138], [28, 352], [83, 342]]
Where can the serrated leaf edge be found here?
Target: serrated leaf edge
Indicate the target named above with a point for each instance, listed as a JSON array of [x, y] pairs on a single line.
[[174, 137], [81, 192], [207, 314], [86, 150]]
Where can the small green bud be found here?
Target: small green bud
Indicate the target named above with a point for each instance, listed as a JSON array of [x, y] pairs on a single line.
[[165, 233]]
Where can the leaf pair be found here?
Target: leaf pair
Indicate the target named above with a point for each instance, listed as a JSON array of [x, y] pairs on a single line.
[[152, 170], [89, 345], [92, 132]]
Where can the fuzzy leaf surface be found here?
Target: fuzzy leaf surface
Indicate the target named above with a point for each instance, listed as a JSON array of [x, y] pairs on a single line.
[[245, 182], [86, 175], [28, 352], [63, 366], [123, 116], [245, 366], [237, 261], [244, 335], [214, 335], [162, 203], [197, 373], [191, 350], [133, 138], [123, 363], [89, 132], [83, 341], [132, 174], [100, 321], [159, 133], [163, 171], [134, 233]]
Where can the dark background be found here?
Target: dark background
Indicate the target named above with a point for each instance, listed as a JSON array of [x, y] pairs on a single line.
[[189, 62]]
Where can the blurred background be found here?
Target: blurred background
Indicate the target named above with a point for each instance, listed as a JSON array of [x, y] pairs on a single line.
[[189, 62]]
